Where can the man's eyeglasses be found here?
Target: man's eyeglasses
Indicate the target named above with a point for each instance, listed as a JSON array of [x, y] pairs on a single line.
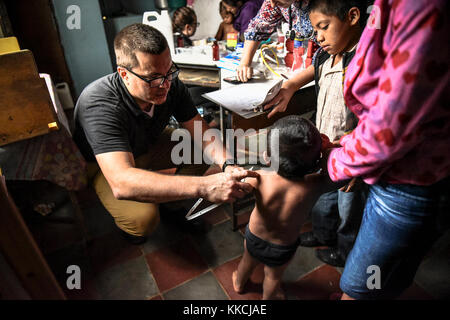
[[159, 81]]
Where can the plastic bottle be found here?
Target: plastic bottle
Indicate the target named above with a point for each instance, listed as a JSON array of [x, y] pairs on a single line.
[[163, 23], [215, 49], [298, 53], [311, 50]]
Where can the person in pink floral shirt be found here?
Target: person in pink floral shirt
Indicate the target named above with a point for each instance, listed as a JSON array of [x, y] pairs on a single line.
[[398, 86]]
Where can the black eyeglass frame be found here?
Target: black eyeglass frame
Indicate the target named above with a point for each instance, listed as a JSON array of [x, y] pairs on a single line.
[[173, 74]]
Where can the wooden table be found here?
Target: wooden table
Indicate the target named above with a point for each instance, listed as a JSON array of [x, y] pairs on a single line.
[[193, 76], [302, 103]]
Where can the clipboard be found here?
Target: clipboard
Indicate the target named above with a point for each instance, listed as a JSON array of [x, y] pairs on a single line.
[[246, 99]]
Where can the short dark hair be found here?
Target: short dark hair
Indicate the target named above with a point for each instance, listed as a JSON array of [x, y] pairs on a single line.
[[340, 8], [137, 37], [299, 145], [183, 16]]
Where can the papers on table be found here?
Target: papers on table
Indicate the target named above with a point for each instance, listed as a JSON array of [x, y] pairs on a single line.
[[246, 99]]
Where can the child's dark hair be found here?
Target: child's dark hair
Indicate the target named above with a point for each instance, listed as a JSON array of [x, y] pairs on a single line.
[[234, 3], [183, 16], [299, 145], [340, 8], [223, 12]]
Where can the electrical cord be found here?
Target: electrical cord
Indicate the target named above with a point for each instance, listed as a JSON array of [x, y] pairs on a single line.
[[265, 62]]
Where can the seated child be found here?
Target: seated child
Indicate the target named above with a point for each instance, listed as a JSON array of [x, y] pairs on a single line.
[[227, 24], [283, 201], [184, 22]]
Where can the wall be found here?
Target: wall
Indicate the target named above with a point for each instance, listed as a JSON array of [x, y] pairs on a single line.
[[86, 49], [34, 26], [207, 12]]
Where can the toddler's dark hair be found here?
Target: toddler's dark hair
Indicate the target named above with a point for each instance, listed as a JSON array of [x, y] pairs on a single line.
[[299, 144], [340, 8], [183, 16]]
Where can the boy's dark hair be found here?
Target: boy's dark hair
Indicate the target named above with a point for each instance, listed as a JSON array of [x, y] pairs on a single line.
[[299, 144], [340, 8], [137, 37], [183, 16]]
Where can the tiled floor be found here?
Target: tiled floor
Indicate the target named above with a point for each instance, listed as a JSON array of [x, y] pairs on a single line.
[[176, 265]]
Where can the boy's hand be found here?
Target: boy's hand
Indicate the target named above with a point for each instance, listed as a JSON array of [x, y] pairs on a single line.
[[244, 72], [279, 102], [336, 144], [352, 185]]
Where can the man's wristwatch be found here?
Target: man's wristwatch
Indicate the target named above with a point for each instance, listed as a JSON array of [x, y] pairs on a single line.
[[227, 162]]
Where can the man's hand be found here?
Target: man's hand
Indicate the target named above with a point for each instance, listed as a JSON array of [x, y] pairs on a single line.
[[244, 72], [233, 168], [227, 186], [279, 102]]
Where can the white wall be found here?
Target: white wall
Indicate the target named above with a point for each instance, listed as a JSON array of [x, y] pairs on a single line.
[[207, 12]]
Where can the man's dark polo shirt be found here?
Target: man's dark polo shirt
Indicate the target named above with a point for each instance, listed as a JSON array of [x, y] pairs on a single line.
[[108, 119]]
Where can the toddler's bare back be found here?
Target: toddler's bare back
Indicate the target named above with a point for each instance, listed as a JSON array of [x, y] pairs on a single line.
[[282, 206]]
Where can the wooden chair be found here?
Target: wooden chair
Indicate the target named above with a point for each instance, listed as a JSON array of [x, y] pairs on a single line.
[[27, 110]]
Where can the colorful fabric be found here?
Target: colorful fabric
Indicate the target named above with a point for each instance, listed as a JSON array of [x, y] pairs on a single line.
[[397, 85], [52, 157], [268, 18]]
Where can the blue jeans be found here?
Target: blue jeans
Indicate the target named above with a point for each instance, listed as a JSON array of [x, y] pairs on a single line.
[[397, 230], [336, 216]]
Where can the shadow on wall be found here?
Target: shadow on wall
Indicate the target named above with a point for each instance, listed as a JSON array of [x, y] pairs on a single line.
[[207, 12]]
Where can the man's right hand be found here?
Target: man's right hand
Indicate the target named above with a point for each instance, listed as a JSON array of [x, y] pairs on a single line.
[[244, 72], [227, 186]]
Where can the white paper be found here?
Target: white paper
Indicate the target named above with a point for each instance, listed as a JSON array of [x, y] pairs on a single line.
[[245, 99]]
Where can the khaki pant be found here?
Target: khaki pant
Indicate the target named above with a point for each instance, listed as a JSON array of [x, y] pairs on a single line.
[[139, 218]]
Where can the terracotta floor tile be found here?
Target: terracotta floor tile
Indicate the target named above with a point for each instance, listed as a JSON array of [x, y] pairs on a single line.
[[157, 297], [219, 245], [203, 287], [253, 288], [175, 264], [164, 235], [111, 249], [88, 291], [303, 262], [415, 292], [130, 280], [433, 274], [215, 217], [320, 284]]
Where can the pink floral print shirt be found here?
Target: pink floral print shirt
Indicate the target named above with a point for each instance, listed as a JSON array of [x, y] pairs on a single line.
[[398, 86]]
